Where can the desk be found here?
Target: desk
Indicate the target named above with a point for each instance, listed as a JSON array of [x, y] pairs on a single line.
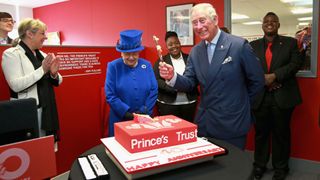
[[236, 165]]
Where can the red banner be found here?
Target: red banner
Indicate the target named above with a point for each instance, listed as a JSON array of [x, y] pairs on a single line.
[[31, 159]]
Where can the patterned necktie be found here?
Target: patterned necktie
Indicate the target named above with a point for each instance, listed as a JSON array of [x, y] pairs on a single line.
[[268, 55], [210, 52]]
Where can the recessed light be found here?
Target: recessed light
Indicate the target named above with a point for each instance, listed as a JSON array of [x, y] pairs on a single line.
[[301, 10], [304, 23], [236, 16], [252, 23], [305, 19]]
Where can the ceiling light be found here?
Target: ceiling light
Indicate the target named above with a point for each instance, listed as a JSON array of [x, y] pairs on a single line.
[[236, 16], [298, 2], [304, 23], [305, 19], [252, 23], [289, 1], [301, 10]]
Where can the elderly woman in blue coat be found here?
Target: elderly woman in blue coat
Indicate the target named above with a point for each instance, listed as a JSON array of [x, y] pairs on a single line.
[[131, 86]]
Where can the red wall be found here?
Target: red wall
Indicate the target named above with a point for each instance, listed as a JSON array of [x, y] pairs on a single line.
[[78, 102], [98, 23], [95, 23]]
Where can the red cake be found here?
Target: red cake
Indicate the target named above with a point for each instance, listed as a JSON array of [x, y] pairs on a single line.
[[144, 133]]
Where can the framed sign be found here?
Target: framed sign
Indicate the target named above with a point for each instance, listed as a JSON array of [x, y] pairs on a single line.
[[178, 20]]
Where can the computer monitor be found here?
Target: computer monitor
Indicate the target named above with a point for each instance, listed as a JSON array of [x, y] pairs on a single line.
[[18, 120]]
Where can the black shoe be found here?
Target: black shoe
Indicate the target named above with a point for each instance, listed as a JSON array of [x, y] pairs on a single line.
[[280, 174], [258, 172]]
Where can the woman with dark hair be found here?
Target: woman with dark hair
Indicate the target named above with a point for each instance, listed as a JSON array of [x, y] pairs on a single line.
[[170, 101]]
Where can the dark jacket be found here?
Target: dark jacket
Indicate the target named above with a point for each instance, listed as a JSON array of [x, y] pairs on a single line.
[[165, 92], [9, 40], [285, 64], [228, 85]]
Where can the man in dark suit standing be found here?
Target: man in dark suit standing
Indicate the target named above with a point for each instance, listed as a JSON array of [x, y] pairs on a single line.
[[274, 105], [229, 75]]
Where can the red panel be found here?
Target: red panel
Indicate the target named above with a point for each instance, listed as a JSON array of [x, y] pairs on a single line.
[[4, 88], [31, 159]]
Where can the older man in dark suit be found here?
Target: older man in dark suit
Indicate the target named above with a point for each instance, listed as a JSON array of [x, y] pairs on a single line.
[[275, 103], [229, 75]]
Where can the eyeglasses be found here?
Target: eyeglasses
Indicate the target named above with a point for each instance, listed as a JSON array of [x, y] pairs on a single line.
[[6, 20]]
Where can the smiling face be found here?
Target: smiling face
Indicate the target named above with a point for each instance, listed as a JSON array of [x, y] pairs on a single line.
[[6, 24], [270, 25], [37, 38], [173, 46], [130, 58], [203, 26]]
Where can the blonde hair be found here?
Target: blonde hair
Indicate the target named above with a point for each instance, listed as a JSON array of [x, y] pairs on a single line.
[[29, 24], [206, 8]]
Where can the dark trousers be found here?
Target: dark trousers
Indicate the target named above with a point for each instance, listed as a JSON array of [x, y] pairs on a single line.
[[185, 112], [272, 122]]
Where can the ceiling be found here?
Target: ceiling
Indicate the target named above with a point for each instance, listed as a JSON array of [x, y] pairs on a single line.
[[256, 10], [30, 3]]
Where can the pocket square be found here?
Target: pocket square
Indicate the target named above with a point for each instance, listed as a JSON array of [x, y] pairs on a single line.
[[227, 60]]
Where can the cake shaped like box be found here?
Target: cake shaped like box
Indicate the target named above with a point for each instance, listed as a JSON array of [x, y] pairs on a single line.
[[164, 131]]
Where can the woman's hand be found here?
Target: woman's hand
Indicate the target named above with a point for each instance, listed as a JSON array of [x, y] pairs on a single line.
[[54, 68], [46, 63]]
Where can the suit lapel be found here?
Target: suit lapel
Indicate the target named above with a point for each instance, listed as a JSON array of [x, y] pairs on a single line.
[[260, 51], [167, 59], [203, 57], [219, 56], [276, 50]]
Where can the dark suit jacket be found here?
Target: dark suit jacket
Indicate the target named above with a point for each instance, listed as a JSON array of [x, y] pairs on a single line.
[[285, 64], [167, 93], [227, 86]]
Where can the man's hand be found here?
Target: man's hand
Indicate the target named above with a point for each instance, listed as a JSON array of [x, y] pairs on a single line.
[[269, 79], [166, 71], [274, 86]]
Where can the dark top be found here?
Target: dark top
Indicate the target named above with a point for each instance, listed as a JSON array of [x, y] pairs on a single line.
[[285, 64], [167, 93]]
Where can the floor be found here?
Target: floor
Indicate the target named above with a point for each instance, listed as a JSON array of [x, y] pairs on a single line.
[[294, 175], [63, 176]]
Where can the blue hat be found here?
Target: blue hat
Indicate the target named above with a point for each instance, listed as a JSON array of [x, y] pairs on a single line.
[[130, 41]]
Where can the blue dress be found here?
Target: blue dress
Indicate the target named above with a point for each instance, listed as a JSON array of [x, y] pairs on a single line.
[[129, 89]]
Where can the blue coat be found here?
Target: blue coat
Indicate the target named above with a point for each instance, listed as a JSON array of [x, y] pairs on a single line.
[[129, 89], [228, 86]]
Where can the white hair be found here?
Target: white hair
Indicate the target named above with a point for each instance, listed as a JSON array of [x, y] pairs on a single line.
[[205, 8]]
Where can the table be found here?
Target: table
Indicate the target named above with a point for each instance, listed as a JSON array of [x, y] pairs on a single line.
[[236, 165]]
